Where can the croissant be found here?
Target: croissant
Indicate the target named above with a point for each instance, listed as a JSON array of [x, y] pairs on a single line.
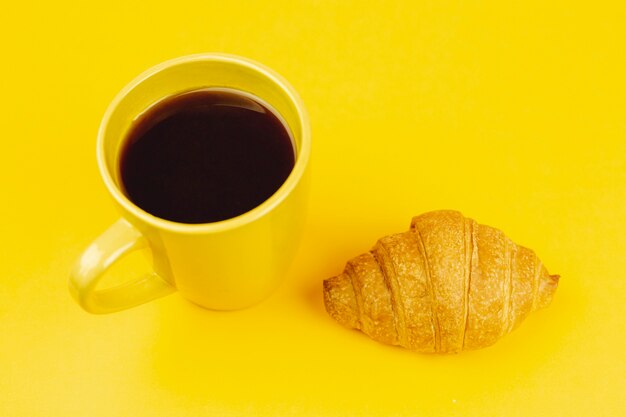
[[446, 285]]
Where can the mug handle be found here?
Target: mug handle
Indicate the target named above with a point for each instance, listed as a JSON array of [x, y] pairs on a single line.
[[118, 240]]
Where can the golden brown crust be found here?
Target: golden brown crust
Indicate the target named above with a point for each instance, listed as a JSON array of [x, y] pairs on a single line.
[[523, 283], [446, 285], [404, 267], [340, 301], [547, 287], [441, 237], [373, 299], [487, 293]]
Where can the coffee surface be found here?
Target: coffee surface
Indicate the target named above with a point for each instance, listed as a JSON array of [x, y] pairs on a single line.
[[205, 156]]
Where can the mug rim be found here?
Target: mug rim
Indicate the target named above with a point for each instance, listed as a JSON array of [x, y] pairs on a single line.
[[250, 216]]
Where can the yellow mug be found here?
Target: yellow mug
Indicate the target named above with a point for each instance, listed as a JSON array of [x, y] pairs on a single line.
[[225, 265]]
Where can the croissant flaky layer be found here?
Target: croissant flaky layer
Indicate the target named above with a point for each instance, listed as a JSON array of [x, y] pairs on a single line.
[[447, 284]]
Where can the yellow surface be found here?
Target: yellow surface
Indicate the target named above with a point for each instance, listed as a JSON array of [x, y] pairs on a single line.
[[513, 114]]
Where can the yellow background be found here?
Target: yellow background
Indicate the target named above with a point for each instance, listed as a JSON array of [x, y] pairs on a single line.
[[512, 112]]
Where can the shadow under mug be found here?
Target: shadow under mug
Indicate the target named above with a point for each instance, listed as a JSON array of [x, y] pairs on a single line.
[[226, 265]]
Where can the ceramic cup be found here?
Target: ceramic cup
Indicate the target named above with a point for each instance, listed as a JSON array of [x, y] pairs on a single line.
[[226, 265]]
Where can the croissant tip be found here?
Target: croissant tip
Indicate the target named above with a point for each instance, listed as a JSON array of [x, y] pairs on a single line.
[[555, 278], [339, 300], [327, 286]]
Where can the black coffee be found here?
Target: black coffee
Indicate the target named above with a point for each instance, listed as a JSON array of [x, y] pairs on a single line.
[[205, 156]]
